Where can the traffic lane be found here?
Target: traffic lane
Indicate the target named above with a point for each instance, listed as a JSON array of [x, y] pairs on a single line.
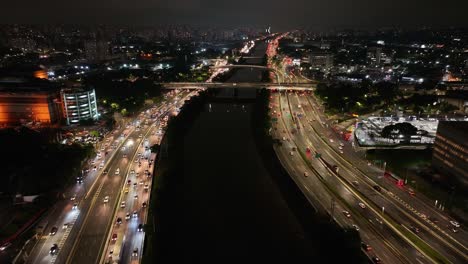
[[42, 254], [97, 230], [138, 150], [324, 197], [441, 248], [422, 204], [419, 223]]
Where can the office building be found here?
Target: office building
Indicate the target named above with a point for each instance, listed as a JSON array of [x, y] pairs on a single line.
[[450, 155]]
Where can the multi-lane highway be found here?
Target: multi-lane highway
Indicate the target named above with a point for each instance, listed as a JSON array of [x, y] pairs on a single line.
[[84, 218], [390, 214]]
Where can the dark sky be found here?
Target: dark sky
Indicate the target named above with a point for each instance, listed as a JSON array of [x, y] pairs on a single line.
[[280, 14]]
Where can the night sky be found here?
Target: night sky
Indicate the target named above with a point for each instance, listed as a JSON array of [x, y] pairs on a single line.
[[284, 14]]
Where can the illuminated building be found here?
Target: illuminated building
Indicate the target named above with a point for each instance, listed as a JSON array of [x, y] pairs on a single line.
[[321, 60], [24, 104], [79, 104], [450, 155]]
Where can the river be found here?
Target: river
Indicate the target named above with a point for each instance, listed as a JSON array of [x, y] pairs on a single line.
[[232, 210]]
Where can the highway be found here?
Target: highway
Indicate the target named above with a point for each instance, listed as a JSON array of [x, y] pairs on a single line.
[[413, 210], [314, 134], [83, 239], [136, 191], [373, 233]]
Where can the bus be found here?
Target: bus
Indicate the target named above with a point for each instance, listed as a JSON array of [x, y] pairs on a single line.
[[397, 180]]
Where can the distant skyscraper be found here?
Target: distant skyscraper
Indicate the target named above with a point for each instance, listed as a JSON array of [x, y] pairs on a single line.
[[96, 50], [374, 55]]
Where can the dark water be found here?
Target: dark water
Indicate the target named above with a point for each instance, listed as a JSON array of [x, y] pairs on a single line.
[[233, 210]]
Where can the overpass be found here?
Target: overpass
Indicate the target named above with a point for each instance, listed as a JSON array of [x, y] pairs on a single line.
[[242, 85], [251, 66]]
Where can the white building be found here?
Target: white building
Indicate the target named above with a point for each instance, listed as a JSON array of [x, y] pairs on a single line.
[[79, 104]]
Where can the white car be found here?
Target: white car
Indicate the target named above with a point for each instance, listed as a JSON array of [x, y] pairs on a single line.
[[106, 199], [362, 205], [356, 227], [455, 224], [306, 174], [73, 198], [122, 204]]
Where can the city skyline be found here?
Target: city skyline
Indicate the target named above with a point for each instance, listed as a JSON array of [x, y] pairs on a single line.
[[281, 16]]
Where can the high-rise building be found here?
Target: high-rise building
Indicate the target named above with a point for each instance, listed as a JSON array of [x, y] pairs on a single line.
[[79, 104], [450, 155], [374, 55], [96, 50]]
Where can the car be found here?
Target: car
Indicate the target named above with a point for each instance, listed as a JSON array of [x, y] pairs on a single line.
[[454, 230], [94, 168], [135, 252], [146, 187], [73, 198], [75, 206], [117, 171], [114, 237], [129, 182], [105, 172], [306, 174], [341, 152], [65, 226], [455, 224], [53, 231], [144, 204], [122, 204], [135, 214], [376, 260], [331, 140], [366, 247], [127, 216], [135, 184], [377, 188], [106, 199], [132, 172], [54, 249], [126, 190], [362, 205], [118, 221], [411, 191], [142, 182], [5, 246], [415, 229], [347, 214], [140, 228], [135, 196], [79, 179], [340, 147], [356, 183], [291, 153], [137, 160], [356, 227]]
